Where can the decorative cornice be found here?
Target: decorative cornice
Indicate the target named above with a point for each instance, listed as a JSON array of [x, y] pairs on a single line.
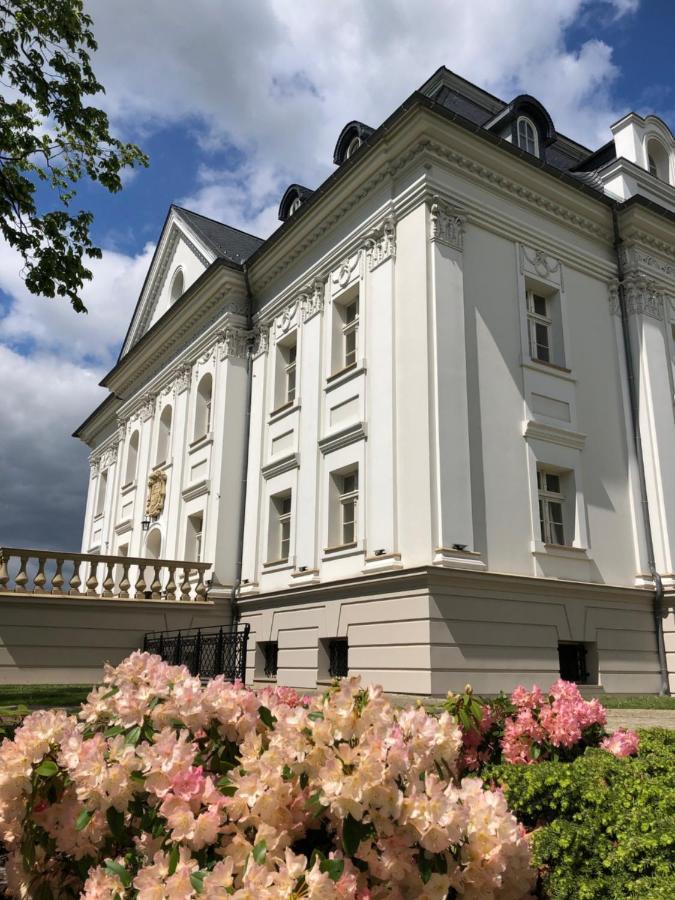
[[380, 245], [540, 264], [446, 224], [343, 438], [278, 467], [537, 431]]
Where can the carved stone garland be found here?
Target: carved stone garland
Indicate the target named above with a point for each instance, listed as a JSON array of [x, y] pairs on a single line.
[[381, 244], [447, 224]]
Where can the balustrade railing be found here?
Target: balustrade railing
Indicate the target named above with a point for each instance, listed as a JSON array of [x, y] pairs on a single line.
[[96, 575]]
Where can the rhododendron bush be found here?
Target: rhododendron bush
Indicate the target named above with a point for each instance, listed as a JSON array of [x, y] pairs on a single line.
[[164, 788], [532, 726]]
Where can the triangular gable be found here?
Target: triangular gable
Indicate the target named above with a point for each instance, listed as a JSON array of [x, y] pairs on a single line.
[[177, 238]]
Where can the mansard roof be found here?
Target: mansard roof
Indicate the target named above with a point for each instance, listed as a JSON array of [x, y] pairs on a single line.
[[226, 242]]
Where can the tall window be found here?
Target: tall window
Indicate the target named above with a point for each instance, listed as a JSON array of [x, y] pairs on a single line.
[[551, 505], [539, 323], [164, 435], [203, 407], [284, 514], [527, 136], [291, 354], [658, 160], [193, 544], [100, 498], [349, 498], [350, 331], [177, 286], [132, 459]]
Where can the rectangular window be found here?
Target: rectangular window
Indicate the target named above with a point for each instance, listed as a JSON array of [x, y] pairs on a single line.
[[350, 331], [270, 650], [572, 657], [539, 323], [551, 506], [290, 373], [349, 497], [279, 545], [338, 658], [100, 497], [193, 544]]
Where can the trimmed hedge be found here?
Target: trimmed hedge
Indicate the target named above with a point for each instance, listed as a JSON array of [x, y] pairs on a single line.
[[603, 827]]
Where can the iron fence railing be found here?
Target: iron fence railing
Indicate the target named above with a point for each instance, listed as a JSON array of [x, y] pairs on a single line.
[[206, 652]]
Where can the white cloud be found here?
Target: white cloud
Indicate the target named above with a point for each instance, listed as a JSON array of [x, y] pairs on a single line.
[[278, 79]]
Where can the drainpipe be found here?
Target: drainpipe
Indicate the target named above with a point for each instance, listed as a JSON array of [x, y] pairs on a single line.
[[234, 594], [637, 439]]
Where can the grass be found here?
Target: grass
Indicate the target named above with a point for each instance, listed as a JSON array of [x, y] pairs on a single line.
[[43, 696], [639, 701]]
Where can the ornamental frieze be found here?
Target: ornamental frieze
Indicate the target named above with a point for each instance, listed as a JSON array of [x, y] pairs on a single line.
[[287, 319], [312, 299], [540, 264], [381, 244], [643, 298], [261, 337], [233, 343], [346, 272]]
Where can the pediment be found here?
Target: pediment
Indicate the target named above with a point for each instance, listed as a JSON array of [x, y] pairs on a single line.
[[179, 247]]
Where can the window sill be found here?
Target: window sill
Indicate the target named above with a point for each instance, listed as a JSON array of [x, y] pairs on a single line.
[[200, 442], [278, 565], [538, 365], [162, 466], [344, 375], [281, 411], [265, 680], [128, 487], [98, 517], [563, 551], [342, 550]]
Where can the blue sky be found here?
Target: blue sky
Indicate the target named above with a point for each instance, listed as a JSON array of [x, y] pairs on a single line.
[[233, 101]]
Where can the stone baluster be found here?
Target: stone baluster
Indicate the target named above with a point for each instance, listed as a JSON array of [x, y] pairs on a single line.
[[124, 582], [201, 589], [185, 584], [156, 586], [4, 574], [40, 577], [75, 580], [171, 584], [57, 578], [21, 577], [108, 581], [92, 581], [140, 584]]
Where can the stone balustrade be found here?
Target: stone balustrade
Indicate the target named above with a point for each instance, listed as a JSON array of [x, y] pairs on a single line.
[[96, 575]]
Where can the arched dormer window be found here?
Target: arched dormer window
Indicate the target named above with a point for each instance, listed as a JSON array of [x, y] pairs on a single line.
[[351, 138], [164, 436], [295, 206], [132, 459], [527, 136], [294, 196], [657, 160], [203, 407], [177, 286], [353, 146]]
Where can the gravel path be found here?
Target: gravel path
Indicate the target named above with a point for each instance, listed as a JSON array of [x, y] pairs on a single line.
[[640, 718]]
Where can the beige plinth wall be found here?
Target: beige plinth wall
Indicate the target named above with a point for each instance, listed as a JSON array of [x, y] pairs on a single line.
[[47, 639], [429, 630]]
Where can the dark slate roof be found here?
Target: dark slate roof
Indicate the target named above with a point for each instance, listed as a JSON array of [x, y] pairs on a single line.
[[226, 242]]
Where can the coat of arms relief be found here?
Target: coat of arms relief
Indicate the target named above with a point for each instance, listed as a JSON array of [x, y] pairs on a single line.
[[154, 503]]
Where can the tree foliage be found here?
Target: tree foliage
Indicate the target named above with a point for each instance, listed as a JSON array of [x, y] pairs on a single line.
[[49, 134]]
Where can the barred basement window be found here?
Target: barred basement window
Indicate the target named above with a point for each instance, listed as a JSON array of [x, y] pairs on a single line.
[[338, 658], [551, 503], [572, 658], [270, 651]]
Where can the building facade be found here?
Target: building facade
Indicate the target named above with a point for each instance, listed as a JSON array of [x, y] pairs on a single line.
[[425, 432]]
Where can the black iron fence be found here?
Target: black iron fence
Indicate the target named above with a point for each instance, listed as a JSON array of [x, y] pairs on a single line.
[[206, 652]]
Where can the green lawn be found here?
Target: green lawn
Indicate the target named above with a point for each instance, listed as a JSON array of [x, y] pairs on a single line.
[[640, 701], [39, 696]]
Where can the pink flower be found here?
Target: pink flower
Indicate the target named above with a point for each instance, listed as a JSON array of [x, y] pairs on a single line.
[[622, 743], [188, 783]]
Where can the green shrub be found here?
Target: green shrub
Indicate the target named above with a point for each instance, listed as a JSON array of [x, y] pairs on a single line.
[[603, 827]]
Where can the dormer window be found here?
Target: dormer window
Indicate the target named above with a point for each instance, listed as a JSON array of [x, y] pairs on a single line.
[[295, 206], [527, 136], [652, 167], [177, 286], [353, 146], [658, 162]]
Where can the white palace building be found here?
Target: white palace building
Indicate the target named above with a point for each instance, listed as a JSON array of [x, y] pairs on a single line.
[[425, 432]]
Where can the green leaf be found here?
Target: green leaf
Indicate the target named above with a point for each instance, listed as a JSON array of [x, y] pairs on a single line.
[[197, 880], [287, 773], [315, 716], [118, 869], [226, 787], [266, 717], [304, 780], [133, 735], [260, 852], [353, 832], [113, 731], [47, 768], [174, 856], [333, 867], [115, 821], [82, 820], [313, 804]]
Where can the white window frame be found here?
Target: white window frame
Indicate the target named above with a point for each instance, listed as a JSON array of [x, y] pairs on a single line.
[[537, 320], [194, 543], [295, 205], [349, 499], [353, 146], [290, 371], [552, 505], [350, 332], [280, 529], [529, 137], [203, 407], [101, 491]]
